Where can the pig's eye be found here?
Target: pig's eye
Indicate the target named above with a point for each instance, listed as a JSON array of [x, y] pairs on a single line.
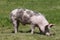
[[46, 27]]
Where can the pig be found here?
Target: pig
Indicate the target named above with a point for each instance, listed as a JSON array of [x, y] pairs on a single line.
[[34, 19]]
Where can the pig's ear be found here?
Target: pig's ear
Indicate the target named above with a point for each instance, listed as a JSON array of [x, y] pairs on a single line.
[[50, 25]]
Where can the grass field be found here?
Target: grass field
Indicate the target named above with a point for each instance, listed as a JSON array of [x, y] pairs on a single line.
[[49, 8]]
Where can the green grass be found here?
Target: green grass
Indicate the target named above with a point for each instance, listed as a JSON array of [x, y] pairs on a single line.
[[49, 8]]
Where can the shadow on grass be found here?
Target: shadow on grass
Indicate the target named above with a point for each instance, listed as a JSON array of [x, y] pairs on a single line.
[[29, 31]]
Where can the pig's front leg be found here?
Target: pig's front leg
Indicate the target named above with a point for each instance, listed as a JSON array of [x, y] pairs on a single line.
[[32, 28]]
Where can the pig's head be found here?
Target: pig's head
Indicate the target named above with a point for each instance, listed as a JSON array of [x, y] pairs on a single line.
[[47, 32]]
